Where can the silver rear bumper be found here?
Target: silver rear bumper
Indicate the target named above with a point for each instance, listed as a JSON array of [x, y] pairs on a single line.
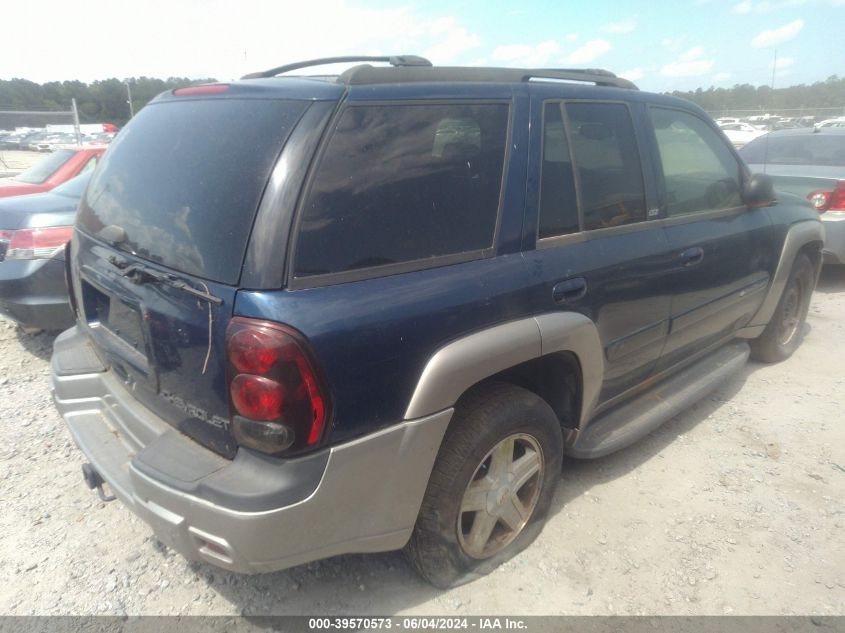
[[362, 496]]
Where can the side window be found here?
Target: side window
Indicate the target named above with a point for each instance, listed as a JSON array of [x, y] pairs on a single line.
[[558, 203], [608, 163], [699, 170], [400, 183]]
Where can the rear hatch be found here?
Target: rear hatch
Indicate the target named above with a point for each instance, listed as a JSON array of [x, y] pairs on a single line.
[[160, 242]]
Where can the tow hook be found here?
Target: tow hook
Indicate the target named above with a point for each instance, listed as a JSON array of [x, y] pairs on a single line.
[[94, 480]]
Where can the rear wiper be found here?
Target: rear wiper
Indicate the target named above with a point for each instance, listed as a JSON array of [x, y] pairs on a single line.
[[138, 274]]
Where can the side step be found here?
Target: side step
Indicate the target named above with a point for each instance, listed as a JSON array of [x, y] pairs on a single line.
[[635, 419]]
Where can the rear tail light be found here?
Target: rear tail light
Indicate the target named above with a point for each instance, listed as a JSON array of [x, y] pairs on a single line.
[[279, 402], [829, 200], [35, 243]]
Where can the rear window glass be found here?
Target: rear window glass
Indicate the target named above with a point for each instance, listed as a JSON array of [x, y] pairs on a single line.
[[400, 183], [809, 149], [184, 180], [43, 169]]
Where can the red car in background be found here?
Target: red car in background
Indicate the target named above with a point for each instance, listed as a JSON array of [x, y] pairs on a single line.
[[58, 167]]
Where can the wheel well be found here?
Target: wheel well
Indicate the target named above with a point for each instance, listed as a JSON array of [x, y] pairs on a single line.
[[813, 250], [556, 378]]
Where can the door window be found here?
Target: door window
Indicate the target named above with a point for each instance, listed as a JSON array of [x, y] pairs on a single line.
[[608, 163], [699, 170], [558, 202]]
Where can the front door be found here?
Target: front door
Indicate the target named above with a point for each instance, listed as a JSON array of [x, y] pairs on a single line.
[[722, 251]]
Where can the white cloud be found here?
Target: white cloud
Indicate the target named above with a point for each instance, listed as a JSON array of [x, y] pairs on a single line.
[[779, 35], [720, 78], [694, 53], [588, 52], [626, 26], [452, 40], [693, 68], [574, 36], [673, 44], [784, 62], [634, 74], [197, 38], [765, 6], [526, 54]]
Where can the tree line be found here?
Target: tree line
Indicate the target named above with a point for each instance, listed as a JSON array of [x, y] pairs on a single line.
[[829, 93], [106, 101]]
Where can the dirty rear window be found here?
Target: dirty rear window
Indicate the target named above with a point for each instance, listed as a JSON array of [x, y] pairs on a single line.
[[184, 180]]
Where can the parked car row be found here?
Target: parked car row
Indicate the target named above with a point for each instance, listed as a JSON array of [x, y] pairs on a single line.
[[744, 130], [37, 208], [49, 140]]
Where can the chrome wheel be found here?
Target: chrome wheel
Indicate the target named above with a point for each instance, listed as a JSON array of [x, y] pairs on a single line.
[[791, 314], [501, 496]]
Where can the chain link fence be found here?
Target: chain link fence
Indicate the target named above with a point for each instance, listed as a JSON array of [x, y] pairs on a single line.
[[818, 114]]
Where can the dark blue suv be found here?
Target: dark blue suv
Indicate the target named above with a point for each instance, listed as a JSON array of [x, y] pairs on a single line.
[[319, 315]]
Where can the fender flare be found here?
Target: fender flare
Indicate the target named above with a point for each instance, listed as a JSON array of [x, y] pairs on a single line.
[[468, 360], [799, 235]]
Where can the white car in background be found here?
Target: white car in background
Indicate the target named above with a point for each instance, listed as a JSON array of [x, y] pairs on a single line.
[[837, 122], [740, 133]]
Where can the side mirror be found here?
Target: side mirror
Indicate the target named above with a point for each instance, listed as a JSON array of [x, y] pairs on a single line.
[[759, 191]]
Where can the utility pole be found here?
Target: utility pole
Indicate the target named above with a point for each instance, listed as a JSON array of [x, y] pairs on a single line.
[[76, 121], [129, 100]]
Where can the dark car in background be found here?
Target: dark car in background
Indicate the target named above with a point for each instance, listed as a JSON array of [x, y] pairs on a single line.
[[33, 233], [809, 162], [52, 171]]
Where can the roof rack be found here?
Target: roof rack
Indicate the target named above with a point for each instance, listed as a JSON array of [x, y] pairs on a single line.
[[366, 74], [393, 60]]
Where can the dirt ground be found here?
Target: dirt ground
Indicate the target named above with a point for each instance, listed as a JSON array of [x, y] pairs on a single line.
[[735, 507]]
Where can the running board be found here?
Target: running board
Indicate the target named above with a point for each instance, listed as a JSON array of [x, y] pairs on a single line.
[[624, 425]]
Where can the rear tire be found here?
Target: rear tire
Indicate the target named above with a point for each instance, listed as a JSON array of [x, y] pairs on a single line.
[[491, 485], [783, 333]]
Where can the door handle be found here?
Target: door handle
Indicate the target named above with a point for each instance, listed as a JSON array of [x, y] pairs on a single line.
[[569, 290], [692, 256]]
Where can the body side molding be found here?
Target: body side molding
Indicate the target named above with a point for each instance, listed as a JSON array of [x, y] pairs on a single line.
[[799, 235], [460, 364]]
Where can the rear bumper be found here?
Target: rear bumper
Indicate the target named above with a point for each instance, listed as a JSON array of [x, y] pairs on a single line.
[[33, 292], [834, 237], [252, 514]]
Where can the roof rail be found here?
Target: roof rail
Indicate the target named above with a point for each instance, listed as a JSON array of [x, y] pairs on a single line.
[[393, 60], [366, 74]]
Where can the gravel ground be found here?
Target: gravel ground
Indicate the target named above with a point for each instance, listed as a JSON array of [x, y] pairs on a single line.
[[735, 507]]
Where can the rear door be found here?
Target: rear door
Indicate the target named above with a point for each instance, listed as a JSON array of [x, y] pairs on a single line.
[[723, 255], [162, 232], [597, 250]]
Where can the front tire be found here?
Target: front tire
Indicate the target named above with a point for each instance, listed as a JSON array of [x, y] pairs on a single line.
[[491, 485], [783, 333]]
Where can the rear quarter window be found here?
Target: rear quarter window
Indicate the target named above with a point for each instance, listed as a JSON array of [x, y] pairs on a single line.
[[403, 183]]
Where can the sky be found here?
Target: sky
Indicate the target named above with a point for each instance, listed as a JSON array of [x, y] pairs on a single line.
[[660, 45]]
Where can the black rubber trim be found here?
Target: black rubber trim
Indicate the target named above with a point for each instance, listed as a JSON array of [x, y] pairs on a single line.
[[252, 482]]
